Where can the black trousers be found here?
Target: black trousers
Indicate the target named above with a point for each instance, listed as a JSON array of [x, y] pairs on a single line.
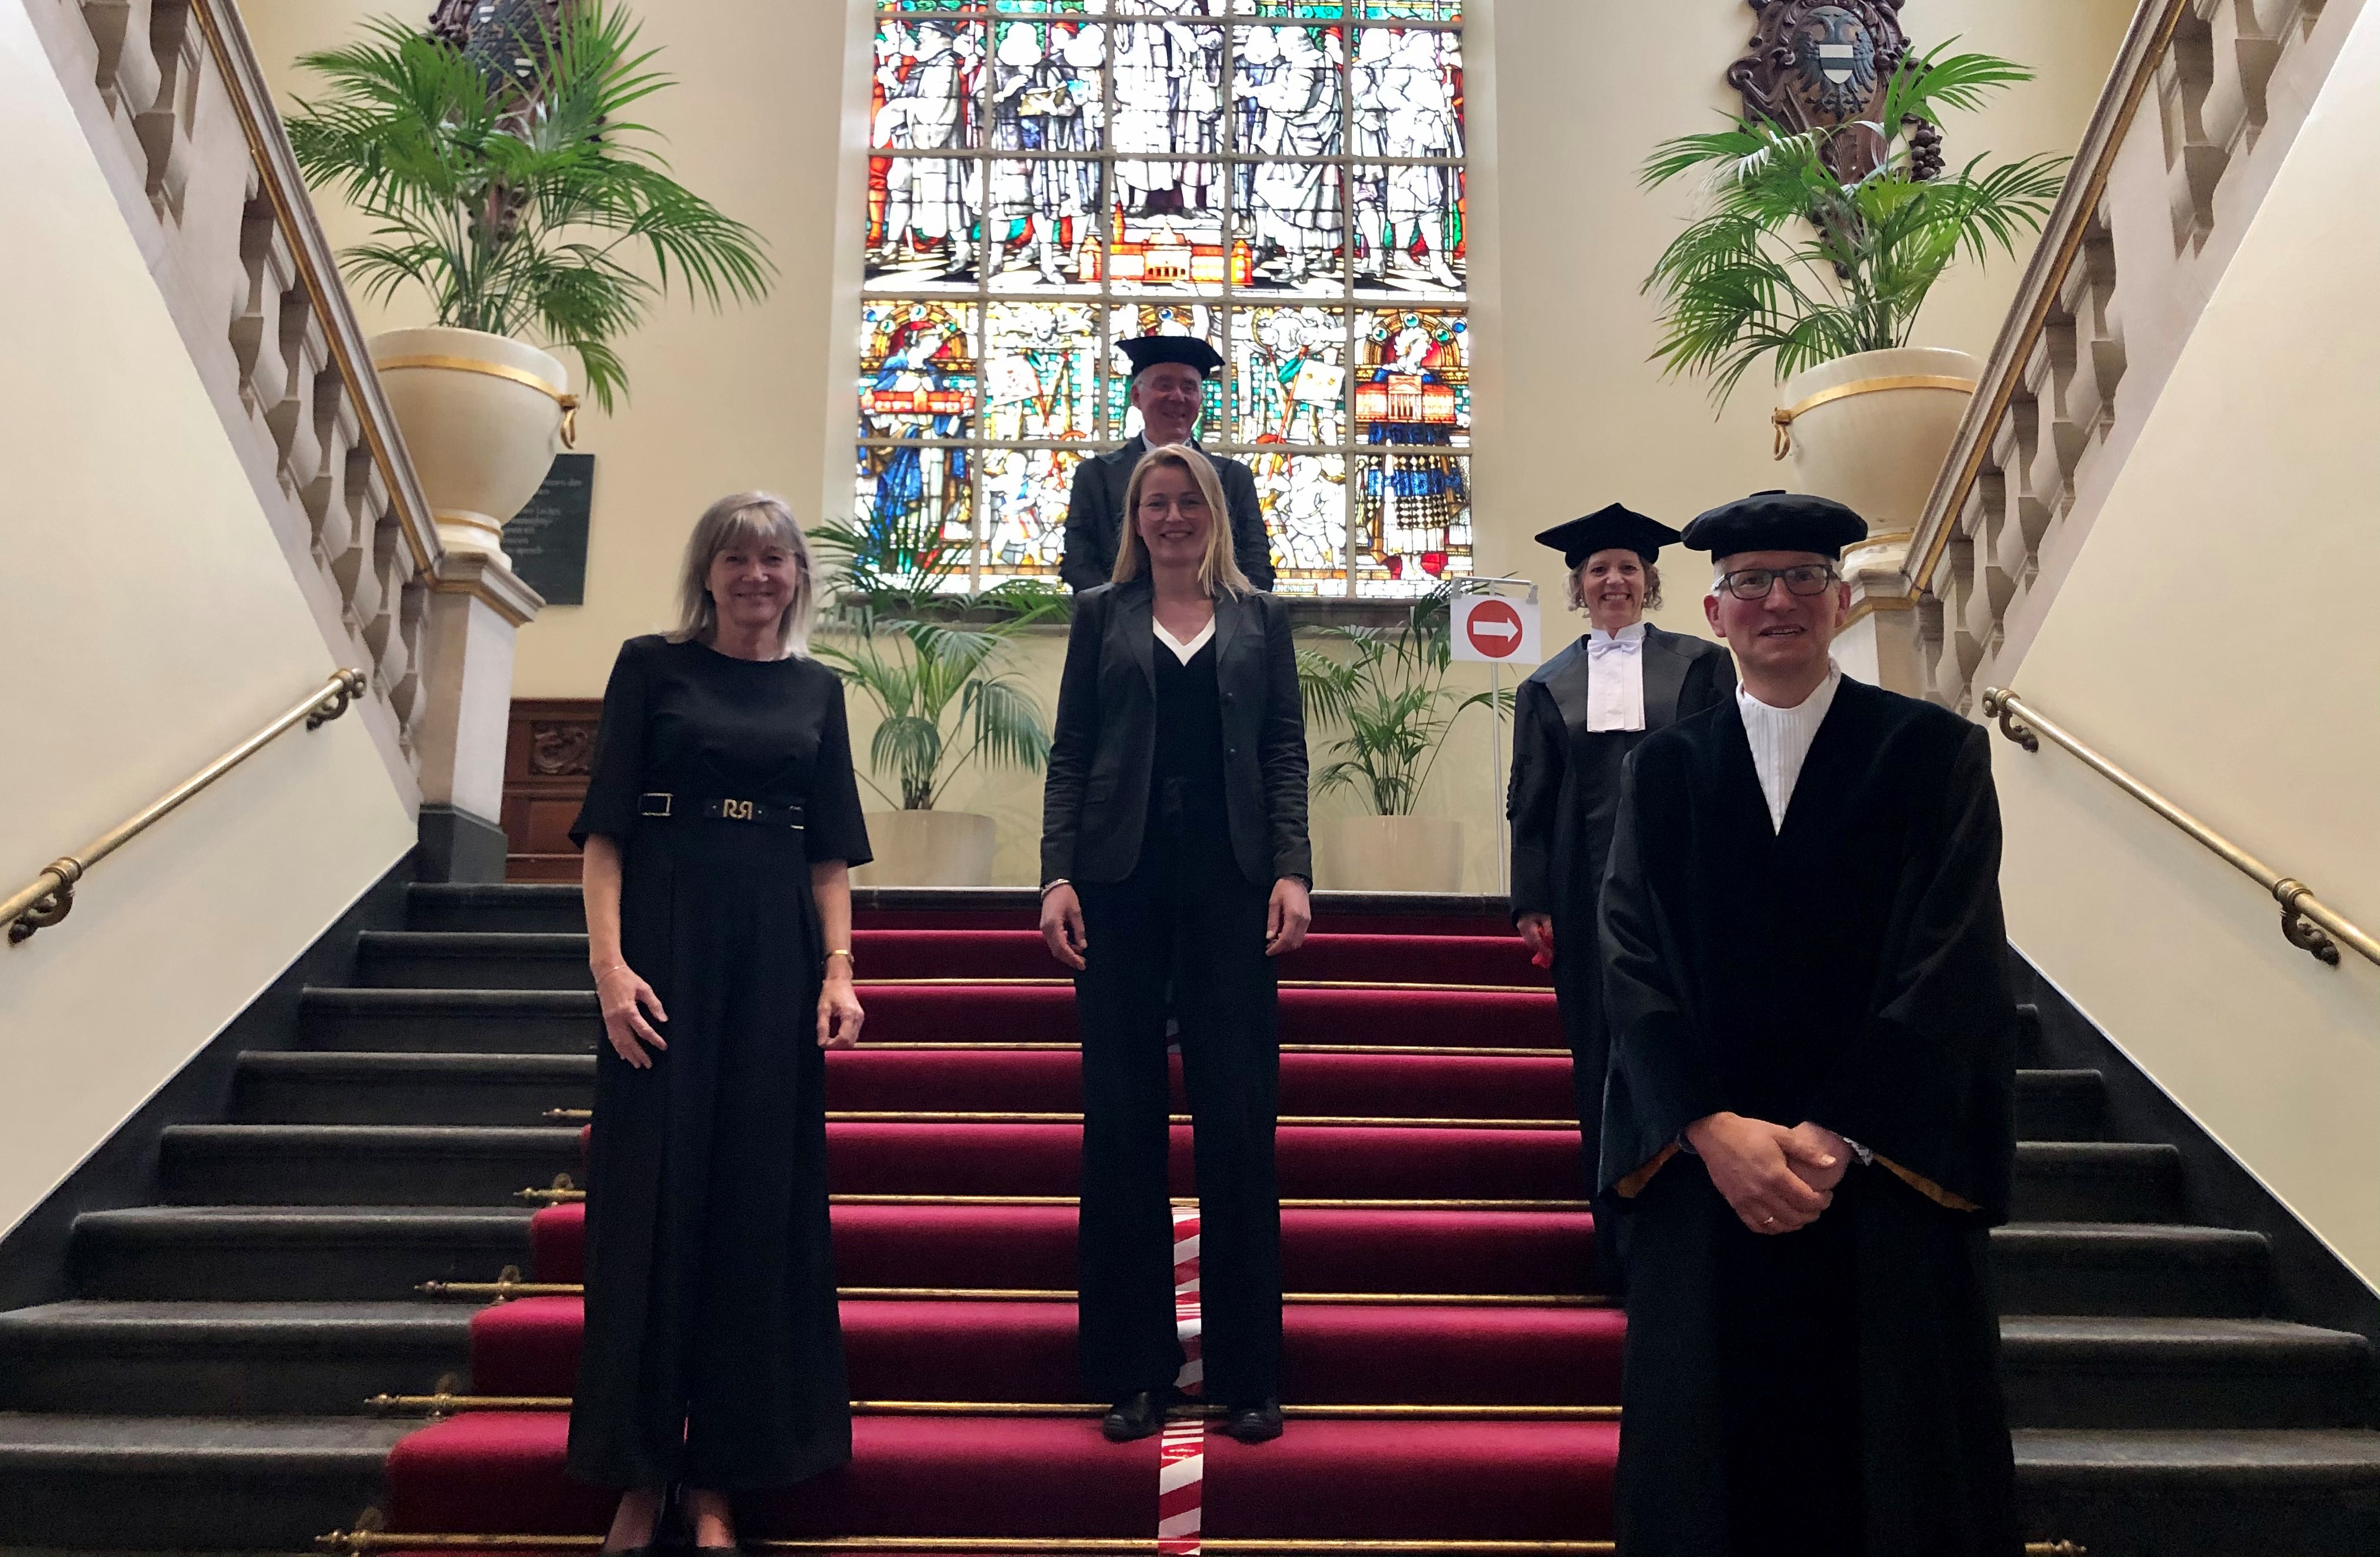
[[1186, 919]]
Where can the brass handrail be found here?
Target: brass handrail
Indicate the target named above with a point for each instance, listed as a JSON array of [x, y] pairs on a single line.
[[2305, 918], [48, 897]]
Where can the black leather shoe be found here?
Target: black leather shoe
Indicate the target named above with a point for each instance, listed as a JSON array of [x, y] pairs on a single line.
[[1253, 1424], [1136, 1415]]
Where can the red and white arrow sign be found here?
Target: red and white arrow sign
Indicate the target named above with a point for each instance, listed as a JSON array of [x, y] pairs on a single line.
[[1500, 631]]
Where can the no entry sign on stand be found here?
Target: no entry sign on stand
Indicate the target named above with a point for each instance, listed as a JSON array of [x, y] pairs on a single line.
[[1503, 632]]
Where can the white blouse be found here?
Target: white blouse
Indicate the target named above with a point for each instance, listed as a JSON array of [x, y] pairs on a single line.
[[1183, 651]]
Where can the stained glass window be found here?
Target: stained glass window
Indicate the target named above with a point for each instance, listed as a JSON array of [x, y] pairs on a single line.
[[1283, 179]]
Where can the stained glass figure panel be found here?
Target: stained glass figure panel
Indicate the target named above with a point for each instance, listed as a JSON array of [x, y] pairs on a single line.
[[1201, 320], [926, 75], [1044, 233], [919, 502], [1288, 8], [916, 369], [921, 224], [1304, 501], [1410, 232], [1166, 228], [1287, 91], [1167, 7], [1049, 86], [1410, 10], [1169, 91], [1289, 375], [1040, 370], [1413, 377], [1025, 496], [1413, 521]]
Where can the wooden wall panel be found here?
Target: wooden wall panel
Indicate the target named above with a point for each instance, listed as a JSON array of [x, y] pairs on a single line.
[[546, 757]]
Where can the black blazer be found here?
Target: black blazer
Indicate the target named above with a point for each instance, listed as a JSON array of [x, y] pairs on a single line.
[[1095, 517], [1095, 801]]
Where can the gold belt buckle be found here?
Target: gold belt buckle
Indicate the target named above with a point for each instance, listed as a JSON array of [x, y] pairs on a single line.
[[736, 811]]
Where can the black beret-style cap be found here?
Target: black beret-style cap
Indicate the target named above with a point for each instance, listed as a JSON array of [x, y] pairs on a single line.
[[1604, 529], [1776, 521], [1148, 351]]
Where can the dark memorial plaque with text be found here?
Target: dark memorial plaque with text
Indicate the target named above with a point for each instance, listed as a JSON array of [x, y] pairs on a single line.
[[547, 540]]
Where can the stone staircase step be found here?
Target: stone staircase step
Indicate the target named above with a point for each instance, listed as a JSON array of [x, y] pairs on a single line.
[[548, 907], [2202, 1494], [440, 960], [2060, 1105], [226, 1360], [298, 1087], [362, 1164], [2145, 1270], [450, 1021], [309, 1254], [2108, 1372], [100, 1483], [2098, 1181]]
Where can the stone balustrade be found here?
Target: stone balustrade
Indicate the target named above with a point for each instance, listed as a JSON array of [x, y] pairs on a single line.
[[178, 113], [2202, 105]]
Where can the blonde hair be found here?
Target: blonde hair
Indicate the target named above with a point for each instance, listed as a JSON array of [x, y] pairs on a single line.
[[1578, 581], [1219, 566], [748, 516]]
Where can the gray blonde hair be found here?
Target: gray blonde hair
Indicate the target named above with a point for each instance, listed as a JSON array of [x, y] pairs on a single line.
[[1219, 566], [747, 517]]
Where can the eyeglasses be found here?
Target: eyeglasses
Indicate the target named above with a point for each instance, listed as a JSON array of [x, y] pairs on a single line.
[[1803, 578]]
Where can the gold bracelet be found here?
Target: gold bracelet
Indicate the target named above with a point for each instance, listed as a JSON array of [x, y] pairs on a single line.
[[844, 952]]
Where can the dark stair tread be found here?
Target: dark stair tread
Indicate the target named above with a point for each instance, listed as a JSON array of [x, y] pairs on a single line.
[[361, 1442], [268, 1138], [2195, 1238], [444, 1003], [216, 1323], [473, 943], [2160, 1338], [2337, 1454], [373, 1065], [211, 1223]]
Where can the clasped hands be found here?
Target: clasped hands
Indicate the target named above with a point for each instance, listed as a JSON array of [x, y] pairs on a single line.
[[628, 1001], [1287, 917], [1775, 1179]]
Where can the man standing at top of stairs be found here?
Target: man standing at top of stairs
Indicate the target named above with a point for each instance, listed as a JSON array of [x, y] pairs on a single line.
[[1810, 1117]]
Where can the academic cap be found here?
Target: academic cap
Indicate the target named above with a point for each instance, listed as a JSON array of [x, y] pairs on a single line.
[[1776, 521], [1604, 529], [1148, 351]]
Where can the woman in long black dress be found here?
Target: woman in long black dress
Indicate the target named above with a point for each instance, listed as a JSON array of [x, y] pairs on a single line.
[[1574, 722], [1174, 853], [720, 820]]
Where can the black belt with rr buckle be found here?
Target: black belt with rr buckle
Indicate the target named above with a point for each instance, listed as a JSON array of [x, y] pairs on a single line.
[[661, 803]]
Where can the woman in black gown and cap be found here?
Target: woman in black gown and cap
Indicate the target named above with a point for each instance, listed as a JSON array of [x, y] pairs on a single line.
[[1574, 722], [721, 823]]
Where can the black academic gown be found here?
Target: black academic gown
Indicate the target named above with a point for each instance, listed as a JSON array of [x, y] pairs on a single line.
[[1832, 1392], [1564, 799]]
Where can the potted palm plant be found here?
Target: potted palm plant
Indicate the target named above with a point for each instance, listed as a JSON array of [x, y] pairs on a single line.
[[1384, 696], [933, 662], [508, 184], [1817, 251]]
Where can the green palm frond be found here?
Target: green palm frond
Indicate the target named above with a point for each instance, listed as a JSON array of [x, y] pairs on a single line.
[[538, 209], [1791, 265], [1386, 698]]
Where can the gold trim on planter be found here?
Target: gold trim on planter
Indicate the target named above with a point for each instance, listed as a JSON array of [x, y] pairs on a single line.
[[568, 401], [1783, 420]]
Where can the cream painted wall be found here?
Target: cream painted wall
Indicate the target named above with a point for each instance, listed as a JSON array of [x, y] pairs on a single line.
[[1571, 413], [149, 622], [2217, 636]]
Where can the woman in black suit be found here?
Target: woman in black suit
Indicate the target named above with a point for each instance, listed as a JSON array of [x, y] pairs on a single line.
[[720, 820], [1174, 853], [1574, 722]]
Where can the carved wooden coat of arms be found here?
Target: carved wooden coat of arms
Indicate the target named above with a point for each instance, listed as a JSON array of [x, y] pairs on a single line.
[[1821, 63]]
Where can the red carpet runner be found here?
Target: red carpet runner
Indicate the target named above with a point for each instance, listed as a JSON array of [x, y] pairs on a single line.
[[1447, 1377]]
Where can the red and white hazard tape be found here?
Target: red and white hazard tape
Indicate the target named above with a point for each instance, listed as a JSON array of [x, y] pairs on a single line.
[[1182, 1453]]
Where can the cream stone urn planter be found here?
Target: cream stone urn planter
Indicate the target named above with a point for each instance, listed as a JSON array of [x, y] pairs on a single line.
[[483, 415], [1394, 853], [1872, 430], [927, 849]]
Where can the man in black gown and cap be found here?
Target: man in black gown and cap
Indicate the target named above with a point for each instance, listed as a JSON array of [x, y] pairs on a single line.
[[1574, 722], [1169, 385], [1810, 1114]]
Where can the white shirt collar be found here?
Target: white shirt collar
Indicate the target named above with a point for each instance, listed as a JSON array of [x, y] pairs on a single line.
[[1781, 739], [1628, 638]]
